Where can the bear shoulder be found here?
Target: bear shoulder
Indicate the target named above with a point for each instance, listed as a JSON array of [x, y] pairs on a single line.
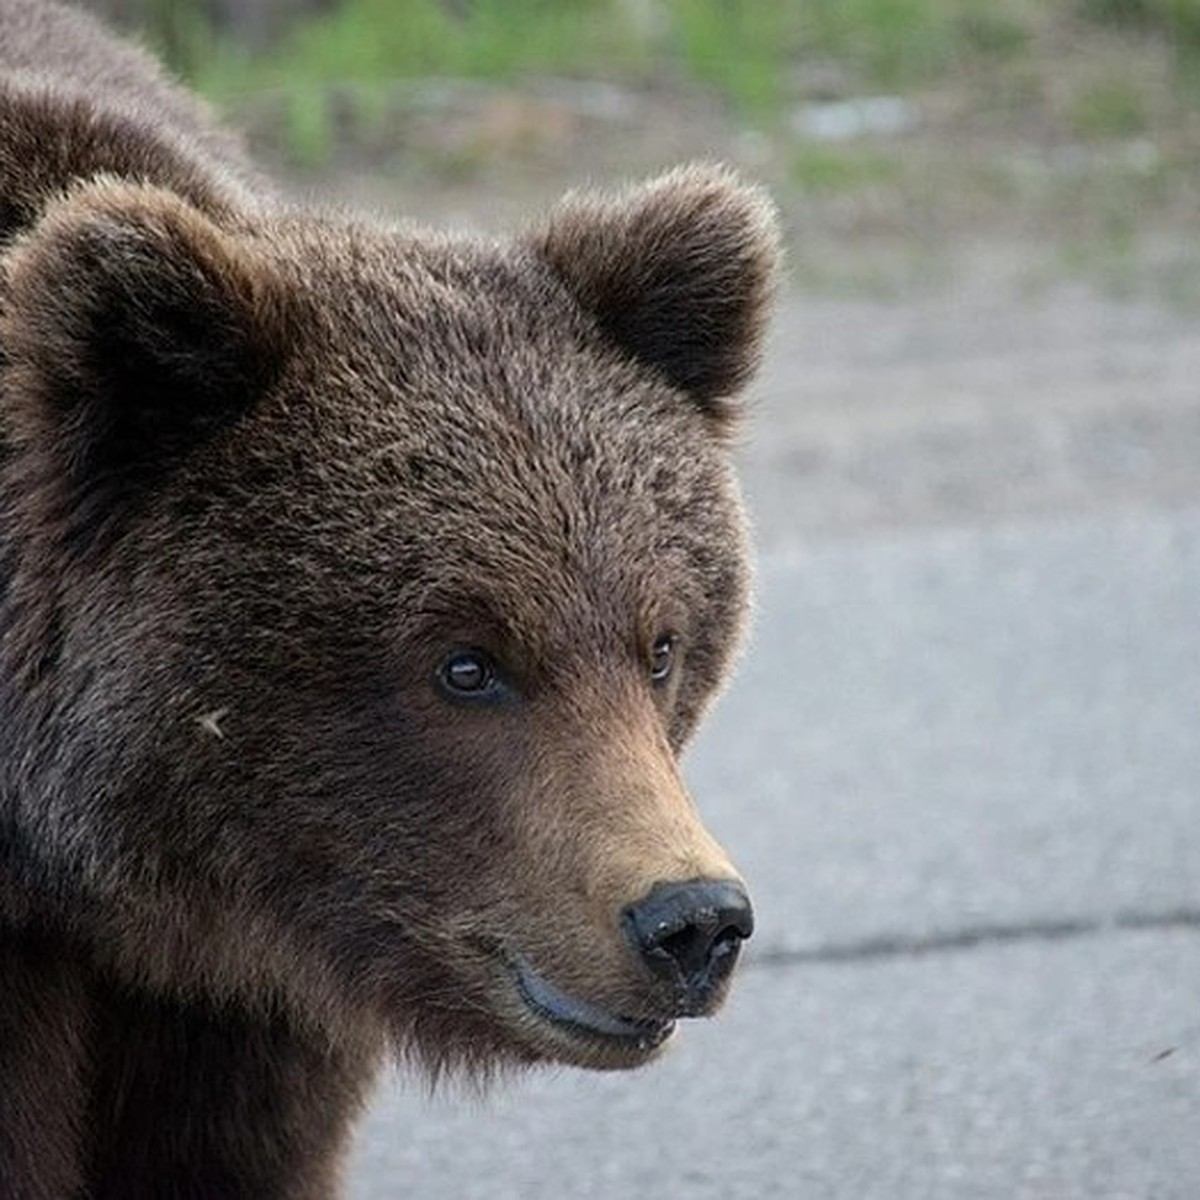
[[76, 103]]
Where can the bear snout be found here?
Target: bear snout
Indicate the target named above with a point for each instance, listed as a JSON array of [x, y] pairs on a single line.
[[689, 935], [616, 1005]]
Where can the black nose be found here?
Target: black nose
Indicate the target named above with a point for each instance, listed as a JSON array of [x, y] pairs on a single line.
[[690, 934]]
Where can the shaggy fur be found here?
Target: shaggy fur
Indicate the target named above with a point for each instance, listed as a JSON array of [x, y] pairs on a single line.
[[261, 471]]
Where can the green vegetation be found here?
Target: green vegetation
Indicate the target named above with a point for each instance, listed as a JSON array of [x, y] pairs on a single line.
[[378, 41], [749, 49], [755, 52], [737, 43], [1179, 20], [832, 170], [1109, 108], [1073, 123]]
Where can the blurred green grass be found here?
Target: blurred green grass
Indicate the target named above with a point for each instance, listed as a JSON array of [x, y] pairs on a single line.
[[380, 41], [746, 48], [760, 56], [1070, 123]]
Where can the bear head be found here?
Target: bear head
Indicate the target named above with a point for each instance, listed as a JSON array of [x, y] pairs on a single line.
[[359, 589]]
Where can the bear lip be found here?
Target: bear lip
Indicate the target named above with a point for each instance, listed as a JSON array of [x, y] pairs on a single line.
[[578, 1016]]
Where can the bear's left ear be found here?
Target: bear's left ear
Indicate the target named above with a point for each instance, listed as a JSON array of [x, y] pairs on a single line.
[[132, 327], [677, 272]]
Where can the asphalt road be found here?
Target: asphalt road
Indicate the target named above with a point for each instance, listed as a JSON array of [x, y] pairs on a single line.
[[961, 769]]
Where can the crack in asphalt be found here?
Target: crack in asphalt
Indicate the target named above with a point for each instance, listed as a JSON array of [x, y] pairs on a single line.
[[973, 937]]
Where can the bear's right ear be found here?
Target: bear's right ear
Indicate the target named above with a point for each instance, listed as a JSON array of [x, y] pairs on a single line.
[[132, 327]]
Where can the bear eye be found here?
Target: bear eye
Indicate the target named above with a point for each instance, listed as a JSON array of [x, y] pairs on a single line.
[[662, 658], [469, 674]]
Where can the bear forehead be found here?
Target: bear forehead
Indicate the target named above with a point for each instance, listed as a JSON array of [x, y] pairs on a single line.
[[464, 333], [546, 485], [449, 419], [459, 380]]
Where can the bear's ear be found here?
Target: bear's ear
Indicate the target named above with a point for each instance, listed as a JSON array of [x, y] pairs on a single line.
[[131, 327], [677, 272]]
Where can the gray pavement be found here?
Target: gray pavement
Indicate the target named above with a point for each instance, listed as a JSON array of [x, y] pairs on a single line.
[[961, 769]]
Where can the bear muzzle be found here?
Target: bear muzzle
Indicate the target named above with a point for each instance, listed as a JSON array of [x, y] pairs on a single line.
[[635, 1037], [681, 939], [631, 917]]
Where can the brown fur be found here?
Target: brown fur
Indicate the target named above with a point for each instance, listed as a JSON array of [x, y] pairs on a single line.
[[75, 103], [260, 471]]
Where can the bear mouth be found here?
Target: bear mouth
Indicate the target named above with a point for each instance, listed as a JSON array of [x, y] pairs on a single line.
[[581, 1019]]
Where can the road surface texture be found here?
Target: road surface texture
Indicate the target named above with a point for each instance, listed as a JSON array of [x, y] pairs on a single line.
[[960, 768]]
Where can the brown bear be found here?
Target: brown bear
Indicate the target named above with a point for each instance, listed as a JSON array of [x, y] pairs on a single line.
[[359, 588]]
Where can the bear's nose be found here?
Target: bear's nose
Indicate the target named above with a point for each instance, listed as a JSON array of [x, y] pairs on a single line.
[[689, 934]]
